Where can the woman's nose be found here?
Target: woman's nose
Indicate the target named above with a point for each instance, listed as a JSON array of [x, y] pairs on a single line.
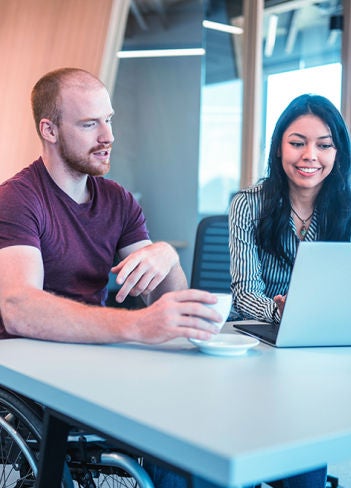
[[310, 152]]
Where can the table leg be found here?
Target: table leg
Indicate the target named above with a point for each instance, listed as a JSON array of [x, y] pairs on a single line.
[[52, 451]]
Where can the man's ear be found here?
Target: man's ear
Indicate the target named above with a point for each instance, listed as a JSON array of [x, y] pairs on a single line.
[[48, 130]]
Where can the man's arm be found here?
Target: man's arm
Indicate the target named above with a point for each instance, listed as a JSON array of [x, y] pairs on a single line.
[[149, 269], [28, 311]]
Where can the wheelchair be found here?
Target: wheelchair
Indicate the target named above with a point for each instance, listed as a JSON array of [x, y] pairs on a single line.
[[90, 461]]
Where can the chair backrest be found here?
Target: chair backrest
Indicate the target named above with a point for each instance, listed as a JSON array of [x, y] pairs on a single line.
[[211, 262]]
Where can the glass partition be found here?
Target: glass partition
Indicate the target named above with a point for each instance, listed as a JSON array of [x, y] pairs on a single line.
[[301, 52], [302, 49], [221, 107]]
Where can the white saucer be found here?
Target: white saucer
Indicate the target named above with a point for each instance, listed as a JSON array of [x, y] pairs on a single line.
[[226, 344]]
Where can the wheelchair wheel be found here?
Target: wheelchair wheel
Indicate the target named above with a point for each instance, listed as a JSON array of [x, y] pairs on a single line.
[[94, 463], [21, 429], [20, 436], [100, 479]]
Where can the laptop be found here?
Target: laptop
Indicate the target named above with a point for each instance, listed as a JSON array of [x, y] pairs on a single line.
[[317, 310]]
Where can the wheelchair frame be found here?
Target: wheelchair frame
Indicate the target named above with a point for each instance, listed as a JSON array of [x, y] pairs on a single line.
[[91, 462]]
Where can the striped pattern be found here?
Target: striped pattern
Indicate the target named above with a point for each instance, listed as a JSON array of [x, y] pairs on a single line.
[[256, 275]]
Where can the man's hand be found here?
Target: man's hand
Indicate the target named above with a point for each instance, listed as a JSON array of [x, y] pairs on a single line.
[[144, 269], [181, 313]]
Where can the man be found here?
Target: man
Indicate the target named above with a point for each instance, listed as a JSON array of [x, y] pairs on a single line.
[[61, 224]]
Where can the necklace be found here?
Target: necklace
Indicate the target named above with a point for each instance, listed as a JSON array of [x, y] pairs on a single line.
[[303, 230]]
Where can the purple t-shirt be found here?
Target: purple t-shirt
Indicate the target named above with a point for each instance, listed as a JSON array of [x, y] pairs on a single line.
[[78, 242]]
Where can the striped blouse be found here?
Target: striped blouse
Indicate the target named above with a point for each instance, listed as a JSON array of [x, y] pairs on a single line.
[[258, 276]]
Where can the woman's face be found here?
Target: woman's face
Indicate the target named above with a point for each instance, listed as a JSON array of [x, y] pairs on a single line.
[[307, 153]]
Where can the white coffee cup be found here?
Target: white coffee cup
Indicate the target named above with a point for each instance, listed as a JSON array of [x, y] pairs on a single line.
[[222, 306]]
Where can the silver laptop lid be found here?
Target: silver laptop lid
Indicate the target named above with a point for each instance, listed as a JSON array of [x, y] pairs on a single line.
[[318, 307]]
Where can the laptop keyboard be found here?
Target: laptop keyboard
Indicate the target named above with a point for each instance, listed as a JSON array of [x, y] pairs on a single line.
[[265, 331]]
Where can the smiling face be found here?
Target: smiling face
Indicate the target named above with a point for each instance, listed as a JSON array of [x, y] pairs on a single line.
[[307, 153], [84, 133]]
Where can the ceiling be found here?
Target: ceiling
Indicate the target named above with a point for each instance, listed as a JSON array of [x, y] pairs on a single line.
[[308, 12], [143, 12], [292, 29]]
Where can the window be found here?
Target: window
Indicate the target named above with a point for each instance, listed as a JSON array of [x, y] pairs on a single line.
[[301, 52], [220, 142], [221, 109]]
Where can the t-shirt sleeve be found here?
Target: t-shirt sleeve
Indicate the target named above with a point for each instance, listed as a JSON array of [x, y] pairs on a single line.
[[19, 216], [134, 222]]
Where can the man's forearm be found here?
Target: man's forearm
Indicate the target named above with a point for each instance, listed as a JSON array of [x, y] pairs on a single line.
[[42, 315]]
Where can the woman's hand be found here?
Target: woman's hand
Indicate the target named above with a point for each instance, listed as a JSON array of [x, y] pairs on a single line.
[[280, 301]]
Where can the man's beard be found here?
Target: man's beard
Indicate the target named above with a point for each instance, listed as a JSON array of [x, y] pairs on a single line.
[[82, 165]]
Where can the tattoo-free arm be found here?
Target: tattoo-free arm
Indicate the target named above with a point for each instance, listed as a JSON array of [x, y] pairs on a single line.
[[29, 311]]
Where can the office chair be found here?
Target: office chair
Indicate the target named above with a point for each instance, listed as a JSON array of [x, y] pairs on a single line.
[[211, 262]]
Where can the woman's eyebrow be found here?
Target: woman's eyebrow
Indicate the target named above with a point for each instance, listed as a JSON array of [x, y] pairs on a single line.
[[296, 134]]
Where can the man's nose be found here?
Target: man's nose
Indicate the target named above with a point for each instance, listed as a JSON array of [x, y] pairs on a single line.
[[106, 135]]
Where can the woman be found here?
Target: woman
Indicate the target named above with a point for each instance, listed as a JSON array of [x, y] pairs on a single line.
[[305, 196]]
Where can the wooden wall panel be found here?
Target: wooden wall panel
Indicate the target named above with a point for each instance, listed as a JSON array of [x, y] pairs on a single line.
[[35, 37]]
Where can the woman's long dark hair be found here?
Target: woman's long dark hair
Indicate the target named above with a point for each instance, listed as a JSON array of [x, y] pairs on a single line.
[[334, 199]]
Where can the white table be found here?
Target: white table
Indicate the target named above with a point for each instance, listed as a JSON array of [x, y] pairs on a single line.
[[228, 421]]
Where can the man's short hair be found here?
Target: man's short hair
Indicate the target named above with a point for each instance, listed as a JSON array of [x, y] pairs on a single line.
[[46, 92]]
